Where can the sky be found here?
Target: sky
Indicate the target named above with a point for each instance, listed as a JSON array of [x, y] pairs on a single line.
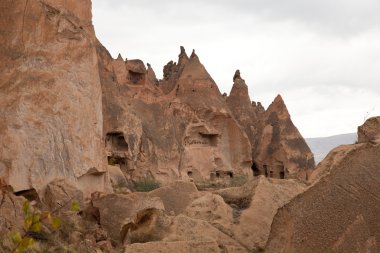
[[322, 57]]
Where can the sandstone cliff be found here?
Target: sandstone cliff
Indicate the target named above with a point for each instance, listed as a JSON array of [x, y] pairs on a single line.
[[50, 98]]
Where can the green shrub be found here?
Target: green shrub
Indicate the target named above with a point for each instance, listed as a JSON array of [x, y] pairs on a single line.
[[38, 225], [146, 185]]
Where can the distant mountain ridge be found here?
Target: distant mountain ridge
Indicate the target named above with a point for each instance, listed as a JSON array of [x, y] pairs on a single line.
[[321, 146]]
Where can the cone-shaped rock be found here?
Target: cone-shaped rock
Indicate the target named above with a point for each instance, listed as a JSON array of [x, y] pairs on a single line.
[[283, 152]]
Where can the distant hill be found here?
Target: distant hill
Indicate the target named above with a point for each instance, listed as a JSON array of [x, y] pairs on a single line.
[[323, 145]]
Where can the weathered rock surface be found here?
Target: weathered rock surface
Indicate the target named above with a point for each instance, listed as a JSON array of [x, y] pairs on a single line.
[[278, 149], [177, 196], [116, 209], [50, 95], [254, 224], [178, 247], [184, 228], [11, 214], [340, 212], [214, 210], [369, 131], [282, 152], [189, 133], [59, 195]]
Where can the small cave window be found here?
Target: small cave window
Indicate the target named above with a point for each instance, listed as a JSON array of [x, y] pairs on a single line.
[[116, 142], [30, 194], [116, 160], [271, 174], [217, 174], [212, 139], [135, 78], [230, 174], [282, 174], [255, 169], [190, 173]]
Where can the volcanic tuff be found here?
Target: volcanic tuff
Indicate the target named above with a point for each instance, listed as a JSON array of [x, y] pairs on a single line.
[[50, 99], [77, 124]]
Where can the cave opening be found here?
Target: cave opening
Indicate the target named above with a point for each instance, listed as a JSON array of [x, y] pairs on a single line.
[[116, 141], [255, 169], [135, 78]]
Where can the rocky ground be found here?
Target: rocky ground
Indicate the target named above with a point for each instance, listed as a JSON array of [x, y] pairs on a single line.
[[98, 155]]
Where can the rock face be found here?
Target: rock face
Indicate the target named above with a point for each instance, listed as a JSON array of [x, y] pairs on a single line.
[[180, 247], [162, 133], [339, 212], [116, 209], [255, 222], [278, 149], [282, 152], [50, 98], [369, 131]]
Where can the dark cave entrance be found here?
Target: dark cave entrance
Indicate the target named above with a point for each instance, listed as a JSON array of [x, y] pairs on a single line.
[[116, 142], [255, 169]]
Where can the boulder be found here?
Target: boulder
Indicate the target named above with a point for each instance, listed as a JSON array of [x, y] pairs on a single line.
[[369, 131], [184, 228], [117, 209], [59, 195], [213, 209], [176, 196], [253, 224], [150, 224]]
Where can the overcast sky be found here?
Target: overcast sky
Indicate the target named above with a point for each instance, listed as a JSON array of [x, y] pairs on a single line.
[[322, 56]]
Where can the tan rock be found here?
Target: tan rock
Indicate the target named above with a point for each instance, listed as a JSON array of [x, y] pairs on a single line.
[[118, 180], [114, 209], [184, 134], [282, 152], [177, 196], [147, 225], [50, 98], [59, 195], [178, 247], [253, 225], [339, 213], [213, 209], [184, 228], [369, 131], [11, 214], [278, 149]]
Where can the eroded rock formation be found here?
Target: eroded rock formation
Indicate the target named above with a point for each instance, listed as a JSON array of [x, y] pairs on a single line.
[[369, 131], [74, 121], [278, 149], [50, 98], [340, 211], [187, 132]]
